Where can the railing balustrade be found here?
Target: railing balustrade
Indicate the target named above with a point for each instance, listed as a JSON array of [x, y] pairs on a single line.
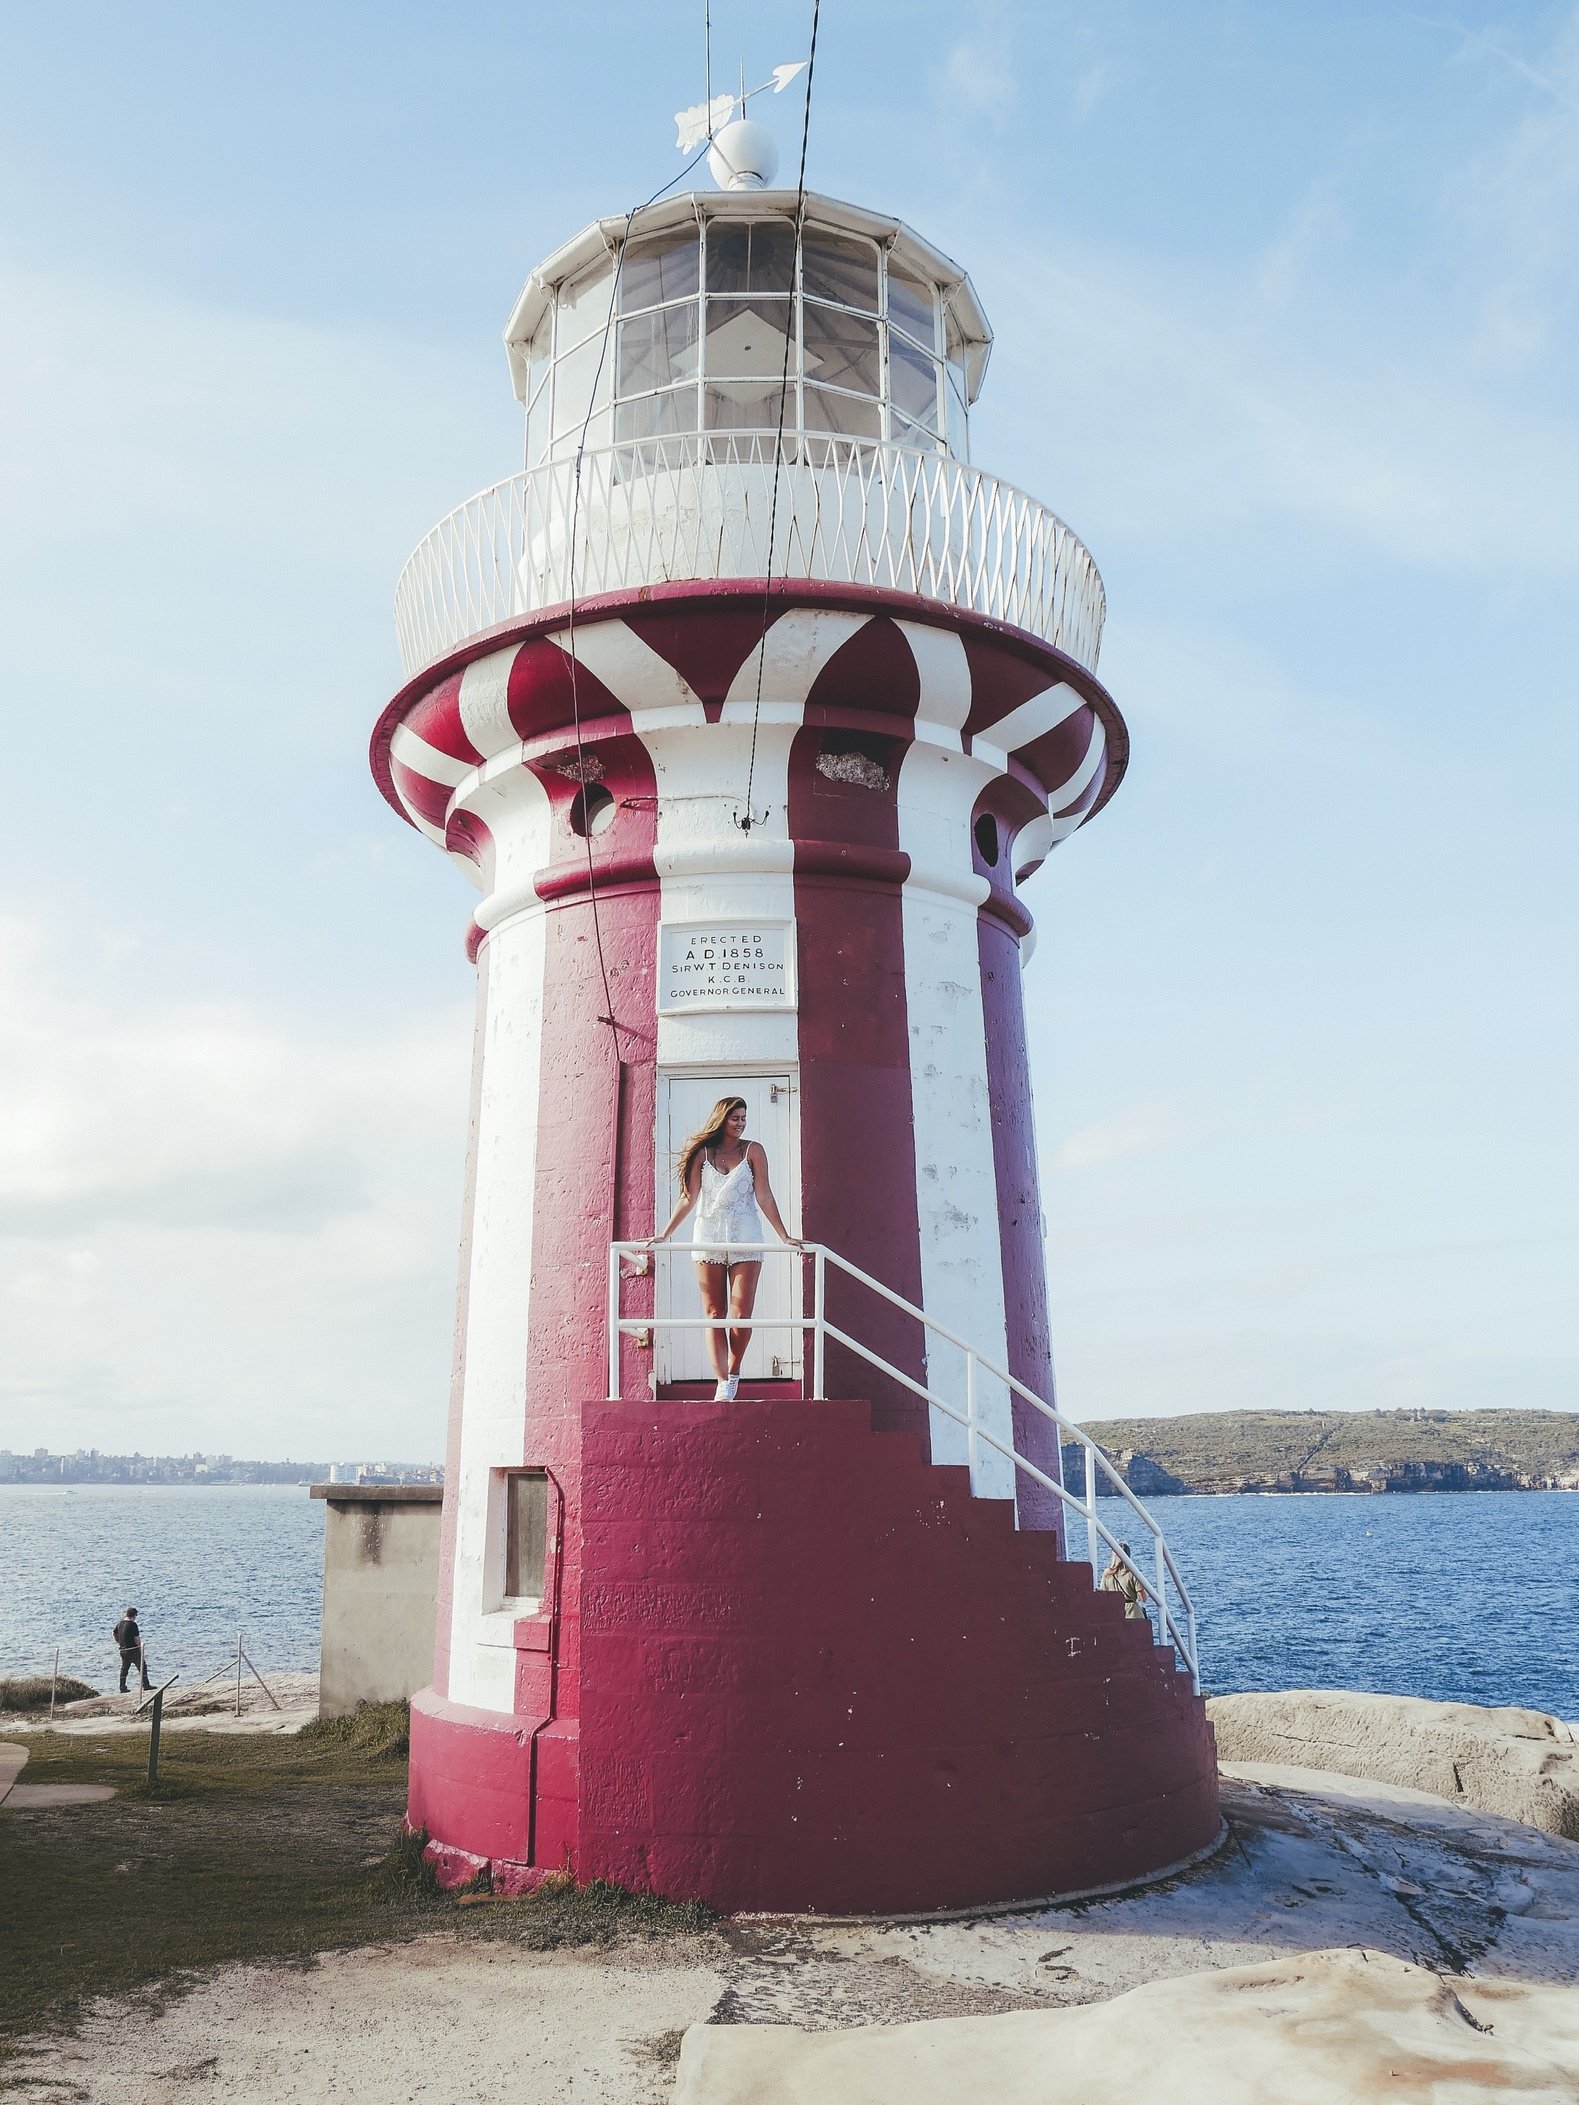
[[705, 506], [1174, 1625]]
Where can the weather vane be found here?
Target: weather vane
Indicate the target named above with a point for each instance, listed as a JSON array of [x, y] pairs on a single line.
[[704, 119]]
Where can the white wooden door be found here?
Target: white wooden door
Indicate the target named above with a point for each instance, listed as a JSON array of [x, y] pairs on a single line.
[[775, 1351]]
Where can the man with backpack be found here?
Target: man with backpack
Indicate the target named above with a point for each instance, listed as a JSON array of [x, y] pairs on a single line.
[[130, 1640]]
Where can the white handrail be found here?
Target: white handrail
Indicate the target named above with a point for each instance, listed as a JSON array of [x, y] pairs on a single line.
[[1169, 1627], [709, 506]]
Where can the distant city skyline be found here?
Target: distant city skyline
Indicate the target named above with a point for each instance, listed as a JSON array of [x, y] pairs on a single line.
[[1287, 326], [89, 1466]]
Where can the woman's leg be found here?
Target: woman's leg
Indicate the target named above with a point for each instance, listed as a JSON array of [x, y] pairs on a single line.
[[713, 1283], [742, 1300]]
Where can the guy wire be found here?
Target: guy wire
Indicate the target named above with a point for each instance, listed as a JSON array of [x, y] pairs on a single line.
[[746, 823], [631, 217]]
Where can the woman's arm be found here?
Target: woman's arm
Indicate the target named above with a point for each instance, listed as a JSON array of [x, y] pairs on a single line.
[[683, 1204], [757, 1157]]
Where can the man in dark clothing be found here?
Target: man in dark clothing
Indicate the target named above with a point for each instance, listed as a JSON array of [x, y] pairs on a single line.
[[130, 1640]]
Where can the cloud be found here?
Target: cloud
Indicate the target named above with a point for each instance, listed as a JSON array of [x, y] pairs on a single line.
[[1206, 406], [976, 77], [1143, 1129], [1516, 203], [248, 1223]]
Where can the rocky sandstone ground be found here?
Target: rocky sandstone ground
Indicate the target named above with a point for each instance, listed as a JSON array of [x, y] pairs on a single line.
[[1313, 1863]]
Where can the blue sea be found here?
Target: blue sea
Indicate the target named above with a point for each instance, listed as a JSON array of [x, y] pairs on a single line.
[[1470, 1596], [200, 1560]]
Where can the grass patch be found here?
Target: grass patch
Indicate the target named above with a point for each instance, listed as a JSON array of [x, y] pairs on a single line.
[[253, 1846], [561, 1915], [31, 1691], [382, 1731]]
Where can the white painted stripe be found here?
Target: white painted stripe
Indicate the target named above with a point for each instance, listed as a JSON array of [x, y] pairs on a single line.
[[414, 752], [426, 826], [956, 1173], [797, 647], [484, 702], [945, 682], [515, 808], [1044, 712], [1031, 846], [1084, 775], [709, 868], [632, 671], [493, 1395]]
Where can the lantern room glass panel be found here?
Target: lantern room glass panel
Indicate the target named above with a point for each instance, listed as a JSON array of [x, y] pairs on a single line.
[[757, 256], [657, 349], [582, 306], [839, 268], [912, 304], [852, 416], [748, 405], [912, 381], [662, 268], [656, 416], [842, 350]]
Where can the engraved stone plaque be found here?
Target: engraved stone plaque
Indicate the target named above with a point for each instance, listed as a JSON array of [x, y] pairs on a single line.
[[725, 965]]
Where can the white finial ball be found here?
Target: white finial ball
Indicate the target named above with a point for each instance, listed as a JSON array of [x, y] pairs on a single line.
[[743, 156]]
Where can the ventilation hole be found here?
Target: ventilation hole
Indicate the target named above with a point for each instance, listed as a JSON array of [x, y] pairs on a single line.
[[987, 839], [591, 810]]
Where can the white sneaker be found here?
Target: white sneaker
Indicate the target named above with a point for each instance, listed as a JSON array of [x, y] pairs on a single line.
[[722, 1393], [731, 1388]]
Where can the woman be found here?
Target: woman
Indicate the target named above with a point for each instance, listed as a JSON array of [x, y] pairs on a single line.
[[724, 1178]]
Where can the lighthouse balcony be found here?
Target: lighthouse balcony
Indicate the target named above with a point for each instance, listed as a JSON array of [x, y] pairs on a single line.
[[718, 505]]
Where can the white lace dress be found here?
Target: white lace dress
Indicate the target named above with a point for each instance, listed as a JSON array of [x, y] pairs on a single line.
[[726, 1216]]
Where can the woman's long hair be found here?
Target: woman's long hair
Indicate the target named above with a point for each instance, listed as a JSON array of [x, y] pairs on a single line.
[[707, 1136]]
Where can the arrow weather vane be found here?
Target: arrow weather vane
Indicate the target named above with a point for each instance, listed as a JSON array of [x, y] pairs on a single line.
[[703, 119]]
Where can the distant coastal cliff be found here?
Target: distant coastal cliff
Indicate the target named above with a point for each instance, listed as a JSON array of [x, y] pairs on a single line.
[[1250, 1451]]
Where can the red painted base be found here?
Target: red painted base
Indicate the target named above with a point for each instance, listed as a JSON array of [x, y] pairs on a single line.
[[815, 1673]]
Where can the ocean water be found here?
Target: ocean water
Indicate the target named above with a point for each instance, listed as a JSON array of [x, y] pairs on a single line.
[[201, 1561], [1468, 1596]]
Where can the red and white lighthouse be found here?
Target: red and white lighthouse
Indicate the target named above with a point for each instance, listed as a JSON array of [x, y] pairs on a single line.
[[749, 707]]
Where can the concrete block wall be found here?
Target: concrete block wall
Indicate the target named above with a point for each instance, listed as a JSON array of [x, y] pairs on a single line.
[[380, 1583]]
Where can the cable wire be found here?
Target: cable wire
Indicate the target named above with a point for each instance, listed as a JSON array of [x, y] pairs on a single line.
[[631, 217], [745, 824]]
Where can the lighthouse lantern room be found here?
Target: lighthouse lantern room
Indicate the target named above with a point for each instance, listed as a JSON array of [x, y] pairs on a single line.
[[749, 706]]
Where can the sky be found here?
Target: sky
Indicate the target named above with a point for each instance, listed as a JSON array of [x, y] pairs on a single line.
[[1286, 303]]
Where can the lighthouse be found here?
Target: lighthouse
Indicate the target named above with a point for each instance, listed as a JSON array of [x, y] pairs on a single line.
[[750, 707]]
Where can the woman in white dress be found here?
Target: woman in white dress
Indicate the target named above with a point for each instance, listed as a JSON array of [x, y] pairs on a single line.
[[724, 1180]]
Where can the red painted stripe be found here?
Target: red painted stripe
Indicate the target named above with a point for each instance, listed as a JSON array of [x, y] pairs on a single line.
[[436, 717], [995, 649], [429, 800], [1019, 1212], [858, 1156]]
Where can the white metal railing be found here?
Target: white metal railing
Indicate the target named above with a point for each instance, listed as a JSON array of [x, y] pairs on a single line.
[[703, 505], [1173, 1625]]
